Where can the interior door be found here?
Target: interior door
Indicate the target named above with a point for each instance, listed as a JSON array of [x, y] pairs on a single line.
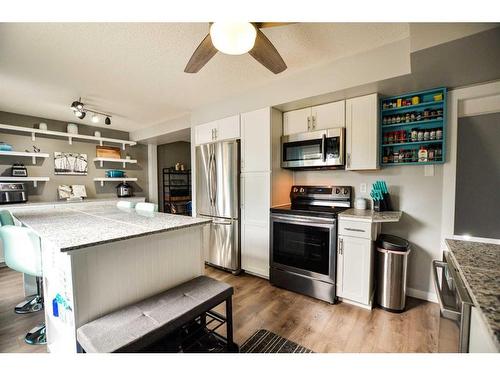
[[204, 179]]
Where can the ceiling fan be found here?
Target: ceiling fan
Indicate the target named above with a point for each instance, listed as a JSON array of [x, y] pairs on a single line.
[[237, 38]]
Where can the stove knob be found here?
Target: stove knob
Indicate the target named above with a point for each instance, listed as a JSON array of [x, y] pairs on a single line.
[[302, 190], [337, 191], [346, 191], [295, 190]]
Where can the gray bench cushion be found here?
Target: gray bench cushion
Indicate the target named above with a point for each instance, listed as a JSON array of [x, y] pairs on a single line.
[[137, 325]]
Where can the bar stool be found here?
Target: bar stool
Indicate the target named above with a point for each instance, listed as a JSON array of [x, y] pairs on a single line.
[[32, 303], [22, 253], [125, 204], [146, 207]]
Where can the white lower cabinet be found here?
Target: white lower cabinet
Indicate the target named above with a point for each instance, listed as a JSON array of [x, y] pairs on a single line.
[[255, 254], [355, 258], [480, 338]]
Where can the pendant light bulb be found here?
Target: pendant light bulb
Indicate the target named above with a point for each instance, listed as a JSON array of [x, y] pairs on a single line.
[[95, 119], [107, 121]]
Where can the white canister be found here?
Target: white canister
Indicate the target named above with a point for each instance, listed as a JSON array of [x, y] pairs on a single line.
[[72, 128], [97, 134], [360, 204], [42, 126]]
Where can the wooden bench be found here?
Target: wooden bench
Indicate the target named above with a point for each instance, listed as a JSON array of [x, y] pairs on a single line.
[[135, 327]]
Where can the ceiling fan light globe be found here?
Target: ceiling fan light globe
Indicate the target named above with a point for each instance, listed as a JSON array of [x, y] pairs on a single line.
[[233, 38]]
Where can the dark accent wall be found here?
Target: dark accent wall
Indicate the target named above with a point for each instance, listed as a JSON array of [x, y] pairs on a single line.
[[168, 155], [477, 199], [47, 191]]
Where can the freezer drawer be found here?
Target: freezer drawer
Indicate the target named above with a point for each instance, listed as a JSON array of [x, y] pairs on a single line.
[[224, 244]]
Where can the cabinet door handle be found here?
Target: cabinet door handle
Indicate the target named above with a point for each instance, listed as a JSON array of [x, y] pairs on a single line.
[[314, 122], [341, 246], [355, 230], [308, 123], [348, 160], [215, 132]]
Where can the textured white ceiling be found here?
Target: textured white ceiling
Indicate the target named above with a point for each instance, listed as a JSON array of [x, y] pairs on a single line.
[[135, 70]]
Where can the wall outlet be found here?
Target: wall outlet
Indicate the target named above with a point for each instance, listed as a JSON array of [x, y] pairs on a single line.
[[362, 188]]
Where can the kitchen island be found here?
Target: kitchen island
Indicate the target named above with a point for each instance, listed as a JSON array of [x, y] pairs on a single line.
[[98, 258]]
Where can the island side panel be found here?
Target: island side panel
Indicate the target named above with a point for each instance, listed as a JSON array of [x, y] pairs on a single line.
[[58, 296], [110, 276]]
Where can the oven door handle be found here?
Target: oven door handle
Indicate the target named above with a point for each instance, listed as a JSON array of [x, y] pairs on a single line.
[[323, 147], [446, 311], [293, 219]]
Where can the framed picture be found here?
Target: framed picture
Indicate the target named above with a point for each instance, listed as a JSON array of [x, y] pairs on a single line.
[[70, 163]]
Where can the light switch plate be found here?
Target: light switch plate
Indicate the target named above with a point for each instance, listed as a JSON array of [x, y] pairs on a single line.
[[428, 170], [362, 188]]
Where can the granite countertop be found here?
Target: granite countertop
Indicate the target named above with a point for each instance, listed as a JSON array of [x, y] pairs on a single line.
[[479, 265], [71, 228], [371, 216], [16, 206]]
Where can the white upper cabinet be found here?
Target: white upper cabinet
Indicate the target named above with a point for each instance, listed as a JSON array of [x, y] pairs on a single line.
[[298, 121], [362, 133], [228, 128], [324, 116], [219, 130], [256, 141], [330, 115]]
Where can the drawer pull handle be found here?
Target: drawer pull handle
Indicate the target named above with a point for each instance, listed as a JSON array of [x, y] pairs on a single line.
[[354, 230]]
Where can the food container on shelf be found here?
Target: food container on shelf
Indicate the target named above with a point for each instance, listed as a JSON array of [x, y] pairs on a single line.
[[438, 97], [115, 173], [97, 134], [42, 126], [5, 147], [72, 129]]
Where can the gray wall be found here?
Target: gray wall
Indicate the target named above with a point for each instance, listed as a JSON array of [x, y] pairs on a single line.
[[417, 196], [168, 155], [477, 203], [47, 191]]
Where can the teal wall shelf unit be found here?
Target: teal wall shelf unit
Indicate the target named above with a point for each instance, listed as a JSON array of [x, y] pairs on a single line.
[[413, 128]]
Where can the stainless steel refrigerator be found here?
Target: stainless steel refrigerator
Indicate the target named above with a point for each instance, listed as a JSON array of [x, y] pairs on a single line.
[[218, 197]]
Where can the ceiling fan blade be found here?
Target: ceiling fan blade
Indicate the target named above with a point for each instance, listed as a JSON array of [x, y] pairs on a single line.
[[264, 52], [203, 53], [262, 25]]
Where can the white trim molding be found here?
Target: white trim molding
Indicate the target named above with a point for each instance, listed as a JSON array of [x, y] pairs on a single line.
[[462, 102]]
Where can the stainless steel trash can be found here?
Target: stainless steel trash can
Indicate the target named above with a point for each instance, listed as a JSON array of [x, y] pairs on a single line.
[[392, 260]]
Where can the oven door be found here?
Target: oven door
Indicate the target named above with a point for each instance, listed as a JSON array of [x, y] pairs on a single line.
[[304, 245], [455, 308]]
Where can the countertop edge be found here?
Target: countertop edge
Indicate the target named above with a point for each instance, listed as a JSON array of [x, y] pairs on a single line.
[[349, 215], [473, 297]]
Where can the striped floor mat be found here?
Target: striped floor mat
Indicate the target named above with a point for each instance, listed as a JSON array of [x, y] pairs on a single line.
[[264, 341]]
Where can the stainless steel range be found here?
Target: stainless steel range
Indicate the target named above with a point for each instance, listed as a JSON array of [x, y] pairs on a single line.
[[304, 240]]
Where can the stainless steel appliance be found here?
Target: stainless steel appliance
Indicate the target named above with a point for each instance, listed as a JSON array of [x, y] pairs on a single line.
[[217, 197], [318, 149], [455, 307], [19, 170], [304, 240], [124, 190], [13, 193]]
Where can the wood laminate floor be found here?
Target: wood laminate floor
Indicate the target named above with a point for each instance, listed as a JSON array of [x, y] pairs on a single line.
[[257, 304]]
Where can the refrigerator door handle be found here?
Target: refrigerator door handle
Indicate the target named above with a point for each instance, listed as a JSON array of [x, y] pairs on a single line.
[[213, 188]]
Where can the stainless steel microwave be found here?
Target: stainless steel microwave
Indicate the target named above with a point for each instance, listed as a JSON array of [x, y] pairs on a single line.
[[318, 149]]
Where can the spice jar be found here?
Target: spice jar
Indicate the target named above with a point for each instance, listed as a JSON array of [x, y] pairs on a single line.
[[412, 116], [439, 114], [398, 119], [385, 158], [420, 135], [414, 135], [407, 117], [419, 116], [390, 158], [401, 156], [396, 157], [430, 154], [393, 119], [422, 154], [407, 156], [402, 136], [426, 114], [414, 155], [432, 134], [426, 134], [434, 114], [439, 133], [390, 137]]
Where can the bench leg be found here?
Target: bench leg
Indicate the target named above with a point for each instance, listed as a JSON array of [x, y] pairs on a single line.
[[231, 347]]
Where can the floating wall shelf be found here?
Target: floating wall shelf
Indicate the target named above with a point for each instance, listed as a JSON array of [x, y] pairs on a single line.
[[35, 180], [102, 180], [32, 155], [395, 126], [112, 160], [70, 136]]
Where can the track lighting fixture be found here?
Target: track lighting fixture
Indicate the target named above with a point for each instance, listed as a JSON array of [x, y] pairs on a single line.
[[80, 110]]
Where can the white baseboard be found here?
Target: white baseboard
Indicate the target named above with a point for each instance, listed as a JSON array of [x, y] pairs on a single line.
[[420, 294]]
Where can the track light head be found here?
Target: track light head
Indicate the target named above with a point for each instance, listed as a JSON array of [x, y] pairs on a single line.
[[80, 114], [107, 121], [76, 106]]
